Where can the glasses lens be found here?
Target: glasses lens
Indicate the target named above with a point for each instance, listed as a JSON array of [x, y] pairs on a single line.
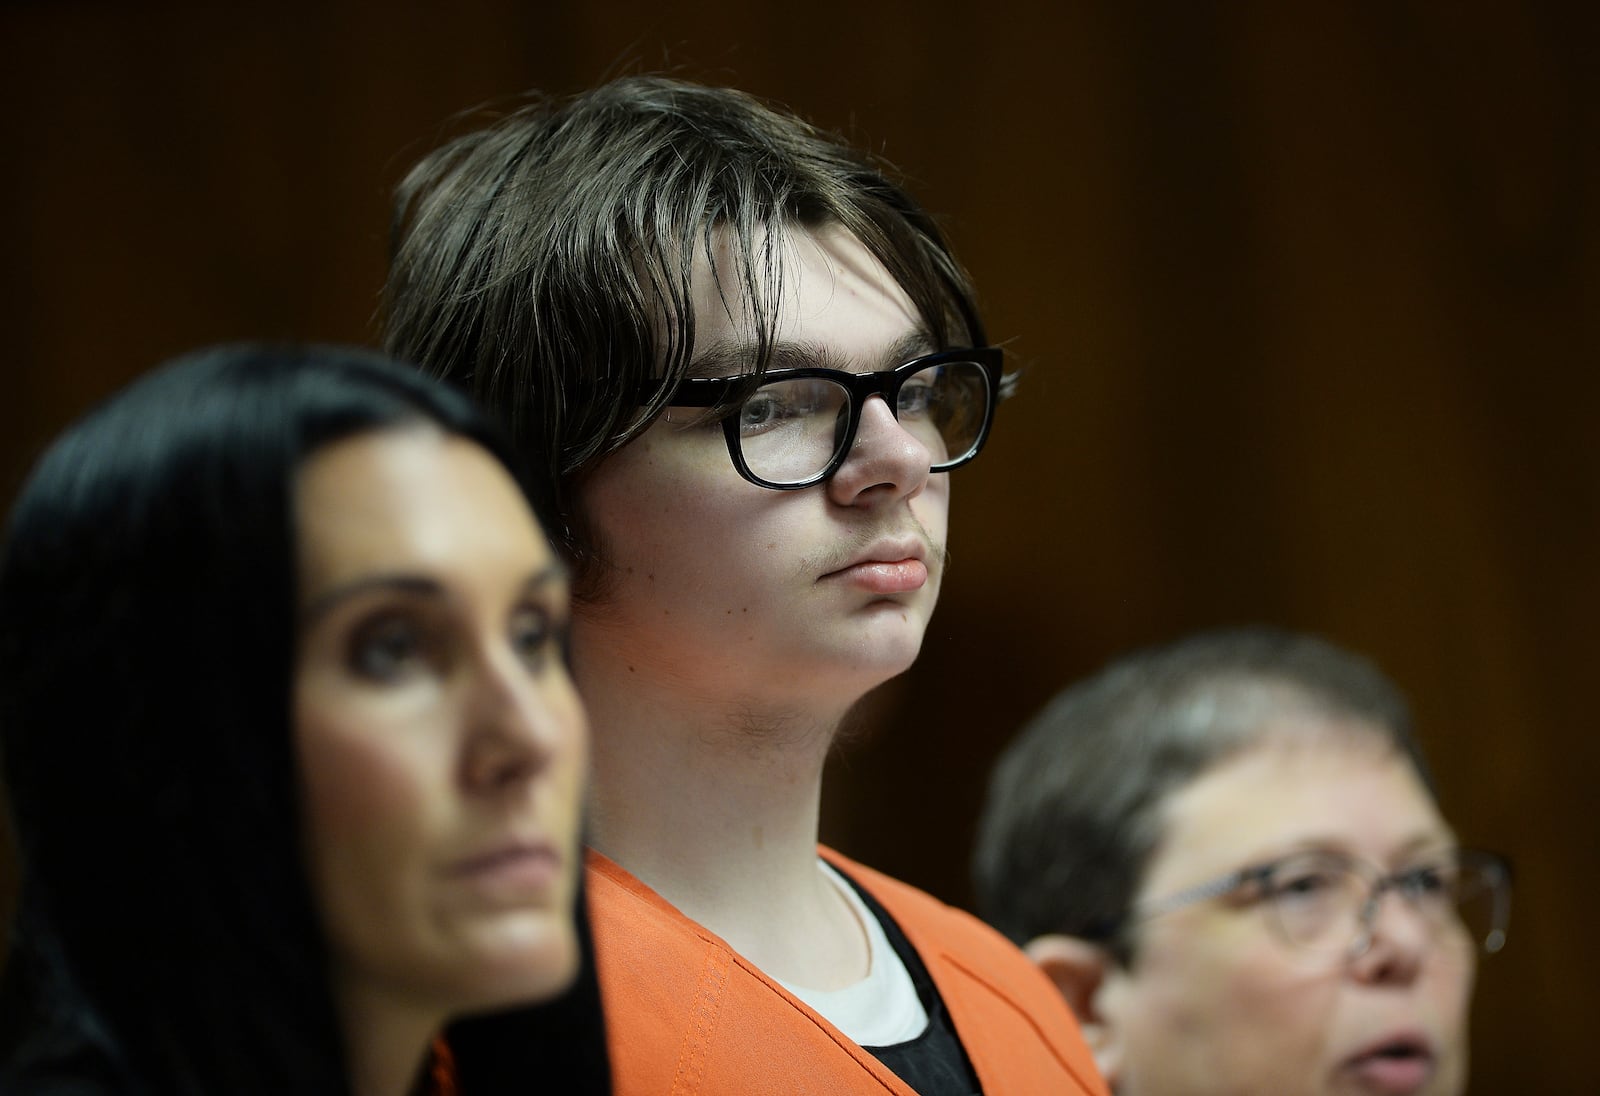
[[1316, 901], [944, 407], [790, 430], [1478, 896]]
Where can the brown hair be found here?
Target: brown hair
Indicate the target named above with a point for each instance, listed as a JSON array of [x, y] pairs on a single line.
[[543, 262]]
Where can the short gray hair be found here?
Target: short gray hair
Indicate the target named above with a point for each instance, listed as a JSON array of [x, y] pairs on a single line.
[[1075, 804]]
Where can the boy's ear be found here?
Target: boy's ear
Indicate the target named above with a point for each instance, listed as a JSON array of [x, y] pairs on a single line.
[[1080, 971]]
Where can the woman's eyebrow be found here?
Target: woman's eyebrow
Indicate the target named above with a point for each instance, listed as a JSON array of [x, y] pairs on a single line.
[[1429, 842], [553, 574], [400, 583], [415, 586]]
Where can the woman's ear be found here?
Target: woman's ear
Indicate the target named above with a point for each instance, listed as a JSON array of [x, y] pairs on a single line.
[[1080, 971]]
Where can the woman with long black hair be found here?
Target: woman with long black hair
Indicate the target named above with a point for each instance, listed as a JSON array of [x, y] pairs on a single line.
[[294, 763]]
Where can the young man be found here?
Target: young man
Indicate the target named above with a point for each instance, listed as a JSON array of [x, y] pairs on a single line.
[[1227, 855], [748, 362]]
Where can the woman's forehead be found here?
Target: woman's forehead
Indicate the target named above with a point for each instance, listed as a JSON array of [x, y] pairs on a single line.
[[1344, 788]]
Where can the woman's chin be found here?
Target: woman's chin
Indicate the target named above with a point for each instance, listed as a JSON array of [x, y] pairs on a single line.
[[526, 968]]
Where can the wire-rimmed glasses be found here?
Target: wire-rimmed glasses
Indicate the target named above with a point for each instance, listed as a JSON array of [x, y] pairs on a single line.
[[1327, 903], [790, 428]]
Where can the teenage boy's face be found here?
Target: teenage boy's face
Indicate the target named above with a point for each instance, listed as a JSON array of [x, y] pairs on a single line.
[[757, 594]]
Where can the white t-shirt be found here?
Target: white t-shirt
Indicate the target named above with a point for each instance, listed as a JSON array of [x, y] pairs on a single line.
[[883, 1008]]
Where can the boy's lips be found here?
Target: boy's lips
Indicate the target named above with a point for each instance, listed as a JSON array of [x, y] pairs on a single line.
[[885, 550], [889, 565], [882, 576]]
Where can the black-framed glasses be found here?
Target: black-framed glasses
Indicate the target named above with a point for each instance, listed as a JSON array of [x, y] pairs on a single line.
[[791, 428], [1326, 903]]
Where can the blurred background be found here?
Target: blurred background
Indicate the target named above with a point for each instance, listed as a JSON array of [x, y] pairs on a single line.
[[1308, 296]]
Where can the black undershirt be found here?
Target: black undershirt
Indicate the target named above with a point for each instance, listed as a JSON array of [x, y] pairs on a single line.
[[934, 1063]]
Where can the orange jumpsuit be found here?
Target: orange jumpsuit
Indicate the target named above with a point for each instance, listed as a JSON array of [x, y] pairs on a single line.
[[686, 1015]]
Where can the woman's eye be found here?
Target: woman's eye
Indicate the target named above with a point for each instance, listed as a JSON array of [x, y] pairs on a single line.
[[1432, 881], [1303, 886], [534, 636], [386, 649]]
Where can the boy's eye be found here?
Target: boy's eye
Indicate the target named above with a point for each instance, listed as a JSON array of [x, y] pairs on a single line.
[[918, 395], [758, 411], [790, 403], [768, 408]]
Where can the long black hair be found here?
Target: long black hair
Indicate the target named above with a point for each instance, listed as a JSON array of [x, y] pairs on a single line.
[[166, 936]]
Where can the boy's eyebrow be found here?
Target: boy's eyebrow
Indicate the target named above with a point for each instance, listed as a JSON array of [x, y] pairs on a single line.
[[733, 357], [913, 344]]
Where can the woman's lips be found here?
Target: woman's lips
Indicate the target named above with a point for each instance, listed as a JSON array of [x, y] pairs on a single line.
[[516, 873], [1397, 1067]]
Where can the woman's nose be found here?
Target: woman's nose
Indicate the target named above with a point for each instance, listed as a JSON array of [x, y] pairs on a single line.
[[1395, 937], [512, 728]]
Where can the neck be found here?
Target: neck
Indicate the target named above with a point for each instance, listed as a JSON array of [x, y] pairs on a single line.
[[713, 802], [386, 1043]]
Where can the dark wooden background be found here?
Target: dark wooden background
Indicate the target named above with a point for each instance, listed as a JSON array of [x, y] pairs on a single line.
[[1309, 295]]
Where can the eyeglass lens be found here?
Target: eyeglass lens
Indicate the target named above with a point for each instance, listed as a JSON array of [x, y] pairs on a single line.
[[791, 430], [1319, 902]]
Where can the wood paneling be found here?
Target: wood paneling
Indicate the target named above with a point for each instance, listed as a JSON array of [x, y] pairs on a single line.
[[1308, 295]]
